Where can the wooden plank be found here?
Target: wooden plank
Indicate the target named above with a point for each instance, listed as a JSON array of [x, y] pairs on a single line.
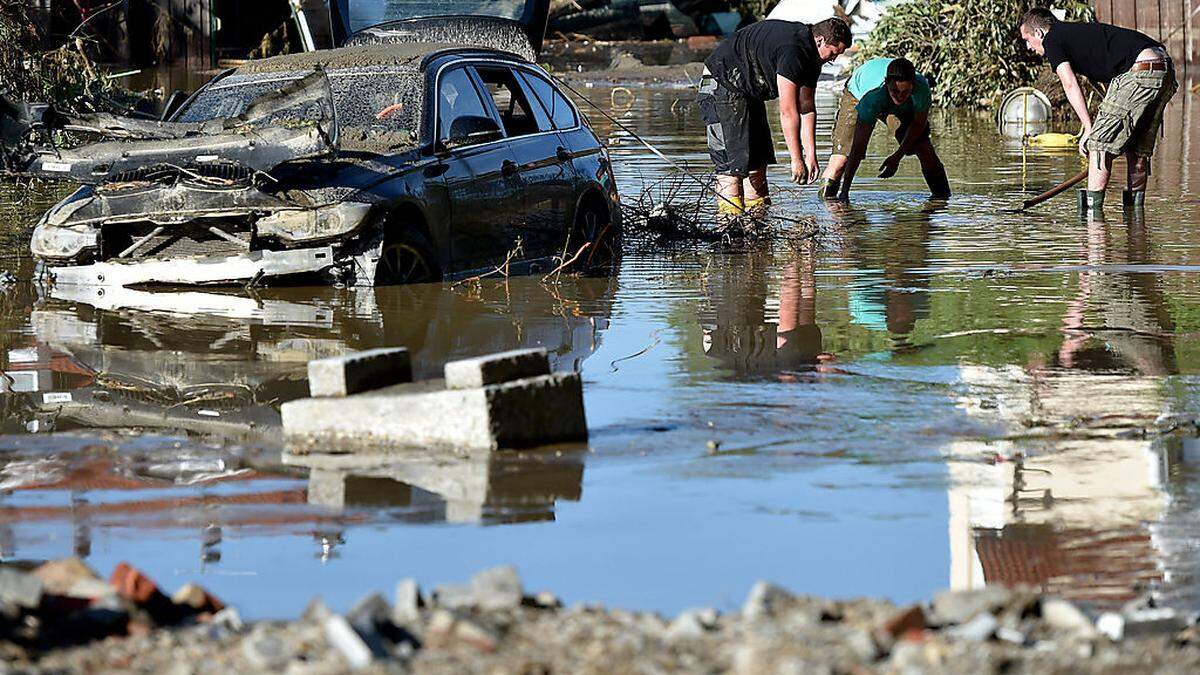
[[1103, 11], [1147, 19], [1172, 21], [1125, 13], [1192, 30]]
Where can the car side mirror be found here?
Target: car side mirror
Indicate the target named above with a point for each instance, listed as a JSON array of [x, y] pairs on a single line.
[[174, 102], [472, 130]]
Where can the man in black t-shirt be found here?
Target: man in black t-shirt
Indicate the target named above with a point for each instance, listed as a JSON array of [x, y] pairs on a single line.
[[1141, 81], [761, 62]]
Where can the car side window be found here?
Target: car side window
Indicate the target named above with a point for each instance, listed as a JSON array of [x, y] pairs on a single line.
[[517, 115], [561, 111], [457, 97]]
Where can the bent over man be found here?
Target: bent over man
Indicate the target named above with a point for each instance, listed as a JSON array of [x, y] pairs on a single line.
[[1141, 81], [891, 91], [764, 61]]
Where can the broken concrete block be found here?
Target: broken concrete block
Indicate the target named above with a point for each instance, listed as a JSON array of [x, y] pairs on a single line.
[[979, 629], [197, 599], [522, 413], [20, 589], [358, 372], [497, 588], [409, 601], [1062, 615], [59, 577], [342, 637], [447, 630], [496, 368], [764, 600]]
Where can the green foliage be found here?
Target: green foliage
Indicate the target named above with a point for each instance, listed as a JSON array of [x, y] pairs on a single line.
[[65, 76], [971, 49]]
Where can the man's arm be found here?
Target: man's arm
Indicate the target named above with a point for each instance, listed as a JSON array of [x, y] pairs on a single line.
[[1070, 84], [858, 150], [915, 133], [798, 118]]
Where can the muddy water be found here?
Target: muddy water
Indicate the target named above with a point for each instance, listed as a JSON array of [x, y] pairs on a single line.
[[923, 396]]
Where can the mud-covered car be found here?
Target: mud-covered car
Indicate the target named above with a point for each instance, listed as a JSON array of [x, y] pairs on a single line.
[[424, 148]]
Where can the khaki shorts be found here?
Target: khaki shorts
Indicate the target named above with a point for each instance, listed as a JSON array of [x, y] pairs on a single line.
[[847, 120], [1132, 111]]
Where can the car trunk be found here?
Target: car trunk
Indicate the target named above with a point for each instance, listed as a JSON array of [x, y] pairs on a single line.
[[467, 22]]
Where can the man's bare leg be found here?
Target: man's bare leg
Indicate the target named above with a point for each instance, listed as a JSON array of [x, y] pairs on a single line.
[[757, 193], [1138, 169], [833, 175]]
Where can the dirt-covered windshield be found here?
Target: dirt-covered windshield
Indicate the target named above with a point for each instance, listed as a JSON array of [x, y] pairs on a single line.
[[378, 107], [367, 13]]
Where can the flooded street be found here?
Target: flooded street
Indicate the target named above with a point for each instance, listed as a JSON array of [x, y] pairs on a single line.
[[923, 396]]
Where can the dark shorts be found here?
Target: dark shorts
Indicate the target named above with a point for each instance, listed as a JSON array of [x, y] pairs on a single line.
[[847, 120], [739, 136]]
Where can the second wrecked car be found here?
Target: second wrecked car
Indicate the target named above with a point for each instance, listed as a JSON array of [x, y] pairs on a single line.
[[393, 159]]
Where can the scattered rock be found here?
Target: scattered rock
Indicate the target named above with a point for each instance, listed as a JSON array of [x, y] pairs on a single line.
[[67, 576], [343, 638], [447, 630], [692, 624], [545, 600], [1112, 625], [197, 599], [229, 619], [267, 651], [1064, 616], [764, 600], [409, 602], [954, 607], [20, 588], [1159, 621], [497, 588], [979, 629], [909, 619]]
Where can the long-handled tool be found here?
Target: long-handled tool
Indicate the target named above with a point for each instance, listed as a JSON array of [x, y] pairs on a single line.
[[1052, 192]]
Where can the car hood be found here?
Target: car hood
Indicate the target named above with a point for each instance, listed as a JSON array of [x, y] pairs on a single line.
[[517, 26]]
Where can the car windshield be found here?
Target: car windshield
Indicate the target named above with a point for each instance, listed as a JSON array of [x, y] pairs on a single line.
[[367, 13], [378, 107]]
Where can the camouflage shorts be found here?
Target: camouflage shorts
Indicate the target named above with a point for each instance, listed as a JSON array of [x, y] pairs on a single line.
[[1132, 112]]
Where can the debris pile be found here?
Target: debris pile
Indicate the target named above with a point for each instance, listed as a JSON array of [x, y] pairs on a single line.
[[65, 75], [491, 624], [970, 49]]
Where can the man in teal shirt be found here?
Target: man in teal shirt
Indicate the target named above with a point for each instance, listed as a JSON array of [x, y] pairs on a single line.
[[891, 91]]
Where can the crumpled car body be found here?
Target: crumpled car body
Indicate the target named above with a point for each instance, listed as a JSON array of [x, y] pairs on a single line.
[[391, 159]]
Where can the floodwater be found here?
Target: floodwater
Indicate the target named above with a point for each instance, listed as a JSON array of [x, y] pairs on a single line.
[[923, 396]]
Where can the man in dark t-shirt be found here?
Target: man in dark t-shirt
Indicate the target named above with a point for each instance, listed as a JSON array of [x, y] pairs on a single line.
[[761, 62], [1141, 81]]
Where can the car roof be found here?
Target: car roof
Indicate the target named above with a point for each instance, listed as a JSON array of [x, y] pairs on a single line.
[[399, 55]]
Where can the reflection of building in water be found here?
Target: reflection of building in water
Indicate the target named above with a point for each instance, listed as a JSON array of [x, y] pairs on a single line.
[[1071, 508]]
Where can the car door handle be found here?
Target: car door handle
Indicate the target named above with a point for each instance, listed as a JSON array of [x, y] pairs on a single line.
[[562, 154], [435, 170], [508, 169]]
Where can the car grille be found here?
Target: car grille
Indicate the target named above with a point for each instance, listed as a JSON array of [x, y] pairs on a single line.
[[175, 241], [162, 172]]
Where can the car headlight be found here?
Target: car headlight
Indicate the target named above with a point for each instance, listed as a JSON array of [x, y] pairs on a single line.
[[320, 223], [61, 242]]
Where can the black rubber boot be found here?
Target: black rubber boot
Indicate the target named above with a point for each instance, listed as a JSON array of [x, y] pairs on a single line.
[[830, 188], [1133, 199], [939, 184], [1091, 203]]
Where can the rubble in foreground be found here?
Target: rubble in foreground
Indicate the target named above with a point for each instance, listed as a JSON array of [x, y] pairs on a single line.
[[492, 625]]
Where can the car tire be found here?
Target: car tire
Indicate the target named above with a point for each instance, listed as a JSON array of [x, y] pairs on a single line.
[[406, 257], [593, 224]]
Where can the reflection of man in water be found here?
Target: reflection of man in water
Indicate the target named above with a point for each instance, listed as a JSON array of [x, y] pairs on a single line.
[[888, 294], [738, 331]]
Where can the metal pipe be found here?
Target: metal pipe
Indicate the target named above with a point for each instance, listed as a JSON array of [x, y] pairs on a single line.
[[138, 244], [229, 237]]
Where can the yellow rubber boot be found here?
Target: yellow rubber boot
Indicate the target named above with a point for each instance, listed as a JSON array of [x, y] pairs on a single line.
[[757, 208]]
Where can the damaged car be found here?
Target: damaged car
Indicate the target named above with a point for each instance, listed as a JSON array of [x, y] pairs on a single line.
[[428, 146]]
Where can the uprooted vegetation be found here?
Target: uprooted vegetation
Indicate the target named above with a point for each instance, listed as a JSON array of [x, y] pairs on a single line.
[[66, 75], [675, 212], [971, 49]]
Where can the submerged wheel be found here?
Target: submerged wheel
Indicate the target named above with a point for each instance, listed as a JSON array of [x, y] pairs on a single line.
[[406, 258], [592, 224]]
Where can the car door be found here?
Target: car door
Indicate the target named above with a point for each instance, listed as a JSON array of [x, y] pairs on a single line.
[[542, 163], [482, 181]]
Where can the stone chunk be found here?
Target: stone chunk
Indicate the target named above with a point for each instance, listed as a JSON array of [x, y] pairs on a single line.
[[63, 577], [342, 637], [764, 600], [267, 652], [358, 372], [907, 620], [497, 588], [20, 589], [979, 629], [496, 368], [962, 606], [1062, 615], [447, 630], [197, 599], [409, 601], [1159, 621]]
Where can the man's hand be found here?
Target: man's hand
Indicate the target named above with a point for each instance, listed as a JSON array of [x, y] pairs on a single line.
[[813, 168], [1083, 139], [889, 166], [799, 172]]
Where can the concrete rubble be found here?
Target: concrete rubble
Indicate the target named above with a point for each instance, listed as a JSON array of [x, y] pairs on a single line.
[[490, 625], [505, 400]]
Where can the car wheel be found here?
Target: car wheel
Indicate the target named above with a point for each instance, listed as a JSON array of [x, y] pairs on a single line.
[[406, 258], [592, 224]]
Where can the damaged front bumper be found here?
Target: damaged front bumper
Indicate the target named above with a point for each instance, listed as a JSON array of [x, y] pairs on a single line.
[[217, 269]]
